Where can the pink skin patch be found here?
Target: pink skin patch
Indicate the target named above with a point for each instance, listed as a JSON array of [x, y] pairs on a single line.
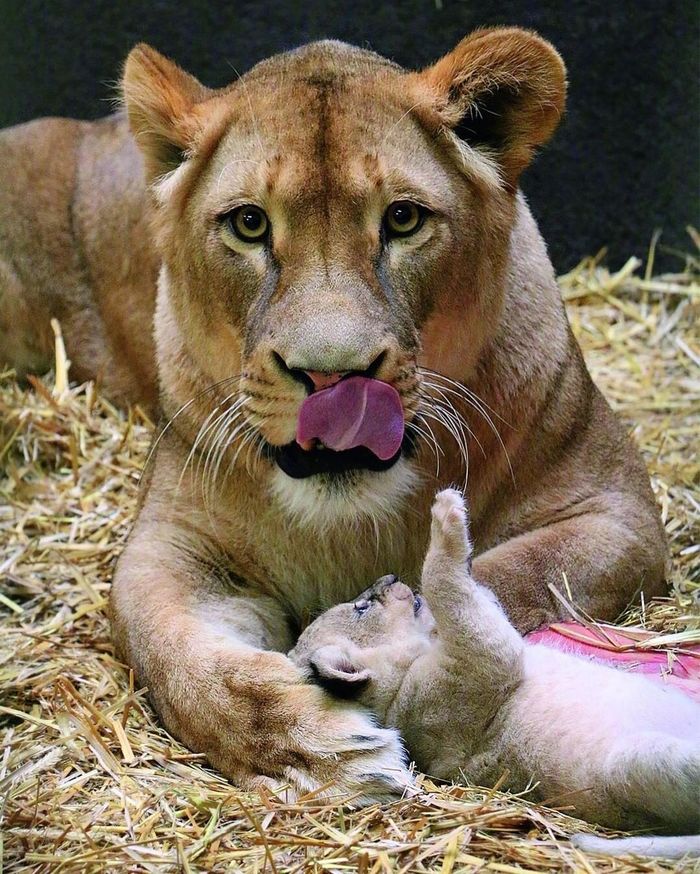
[[357, 411], [628, 649]]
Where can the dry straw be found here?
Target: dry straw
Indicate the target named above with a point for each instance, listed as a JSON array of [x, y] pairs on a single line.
[[90, 782]]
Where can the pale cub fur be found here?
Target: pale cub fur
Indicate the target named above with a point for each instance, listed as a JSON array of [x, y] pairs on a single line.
[[473, 700]]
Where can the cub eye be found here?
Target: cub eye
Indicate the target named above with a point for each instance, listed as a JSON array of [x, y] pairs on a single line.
[[362, 606], [249, 223], [403, 218]]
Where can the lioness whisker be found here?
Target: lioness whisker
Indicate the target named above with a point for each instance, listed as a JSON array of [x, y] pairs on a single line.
[[446, 407], [259, 450], [438, 449], [375, 527], [225, 436], [226, 440], [249, 435], [430, 440], [178, 412], [449, 414], [427, 434], [203, 440], [461, 390], [223, 439], [215, 415], [221, 434], [205, 430], [452, 410], [453, 428], [478, 405], [257, 443]]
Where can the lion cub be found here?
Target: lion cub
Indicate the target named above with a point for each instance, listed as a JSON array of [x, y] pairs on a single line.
[[474, 701]]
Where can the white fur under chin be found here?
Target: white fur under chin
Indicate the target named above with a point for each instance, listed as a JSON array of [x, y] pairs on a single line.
[[323, 501]]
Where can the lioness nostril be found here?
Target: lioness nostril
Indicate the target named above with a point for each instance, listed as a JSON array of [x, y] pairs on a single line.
[[373, 369], [280, 362], [295, 372], [317, 378]]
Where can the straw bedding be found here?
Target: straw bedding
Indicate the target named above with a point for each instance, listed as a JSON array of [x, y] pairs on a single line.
[[88, 779]]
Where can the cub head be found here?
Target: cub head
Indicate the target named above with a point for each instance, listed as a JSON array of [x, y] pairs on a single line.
[[362, 649], [330, 215]]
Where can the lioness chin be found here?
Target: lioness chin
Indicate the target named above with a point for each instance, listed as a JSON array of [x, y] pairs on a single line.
[[354, 308]]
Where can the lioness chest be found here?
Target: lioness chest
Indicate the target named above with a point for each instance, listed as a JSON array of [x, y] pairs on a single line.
[[310, 569]]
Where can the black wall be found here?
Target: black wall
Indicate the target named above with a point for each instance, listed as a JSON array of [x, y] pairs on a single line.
[[625, 161]]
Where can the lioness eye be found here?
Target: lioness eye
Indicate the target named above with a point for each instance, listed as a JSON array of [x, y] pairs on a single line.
[[249, 223], [403, 218]]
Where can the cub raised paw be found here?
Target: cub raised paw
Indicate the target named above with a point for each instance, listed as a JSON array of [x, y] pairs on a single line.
[[449, 532]]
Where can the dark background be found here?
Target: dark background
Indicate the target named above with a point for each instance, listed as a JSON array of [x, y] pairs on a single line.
[[625, 161]]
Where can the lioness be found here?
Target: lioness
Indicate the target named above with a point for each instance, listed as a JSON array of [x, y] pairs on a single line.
[[474, 701], [329, 223]]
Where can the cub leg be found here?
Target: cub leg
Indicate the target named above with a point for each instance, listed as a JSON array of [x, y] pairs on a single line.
[[658, 777], [653, 775], [209, 659], [472, 626]]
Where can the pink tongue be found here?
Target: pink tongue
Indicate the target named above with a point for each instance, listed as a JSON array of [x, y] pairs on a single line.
[[357, 411]]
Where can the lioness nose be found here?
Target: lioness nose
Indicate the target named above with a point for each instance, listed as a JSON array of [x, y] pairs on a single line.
[[323, 380], [317, 378]]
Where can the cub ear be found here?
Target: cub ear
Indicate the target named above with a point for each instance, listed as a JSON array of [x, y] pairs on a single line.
[[160, 100], [501, 89], [334, 670]]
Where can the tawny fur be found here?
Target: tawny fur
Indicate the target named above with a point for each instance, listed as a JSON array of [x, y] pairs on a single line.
[[75, 244], [228, 557], [475, 702]]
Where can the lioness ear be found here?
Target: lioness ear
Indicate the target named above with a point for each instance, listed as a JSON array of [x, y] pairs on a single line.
[[334, 670], [160, 100], [501, 89]]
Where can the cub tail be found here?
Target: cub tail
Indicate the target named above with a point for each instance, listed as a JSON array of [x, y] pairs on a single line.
[[682, 847]]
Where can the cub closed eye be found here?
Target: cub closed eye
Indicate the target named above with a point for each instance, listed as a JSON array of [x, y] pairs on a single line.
[[362, 606], [403, 218], [248, 223]]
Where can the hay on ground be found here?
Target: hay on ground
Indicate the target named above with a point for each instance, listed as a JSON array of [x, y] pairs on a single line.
[[88, 779]]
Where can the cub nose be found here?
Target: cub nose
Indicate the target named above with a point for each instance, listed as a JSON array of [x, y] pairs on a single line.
[[392, 587], [400, 592], [384, 583]]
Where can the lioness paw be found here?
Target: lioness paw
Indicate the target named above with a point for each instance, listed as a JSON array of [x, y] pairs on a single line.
[[356, 768], [450, 526]]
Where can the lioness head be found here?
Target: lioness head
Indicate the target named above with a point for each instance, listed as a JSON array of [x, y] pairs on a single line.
[[328, 215], [363, 649]]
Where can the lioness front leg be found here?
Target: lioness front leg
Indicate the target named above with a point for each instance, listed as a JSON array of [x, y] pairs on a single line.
[[471, 624], [611, 541], [208, 660]]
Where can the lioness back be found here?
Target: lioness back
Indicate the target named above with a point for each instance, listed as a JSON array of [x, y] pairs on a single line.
[[75, 245]]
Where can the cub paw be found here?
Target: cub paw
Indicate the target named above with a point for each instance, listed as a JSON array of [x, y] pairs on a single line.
[[450, 526]]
